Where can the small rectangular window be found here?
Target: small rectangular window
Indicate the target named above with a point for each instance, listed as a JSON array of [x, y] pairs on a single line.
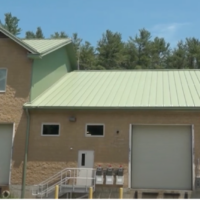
[[83, 159], [95, 130], [3, 76], [50, 129]]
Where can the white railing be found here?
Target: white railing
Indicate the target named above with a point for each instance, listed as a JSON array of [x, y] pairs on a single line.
[[74, 177]]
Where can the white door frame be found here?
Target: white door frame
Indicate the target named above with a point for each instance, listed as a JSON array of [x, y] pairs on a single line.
[[192, 150]]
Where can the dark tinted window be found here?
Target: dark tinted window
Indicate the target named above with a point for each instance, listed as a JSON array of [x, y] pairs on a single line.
[[96, 130], [49, 129], [3, 74], [83, 160]]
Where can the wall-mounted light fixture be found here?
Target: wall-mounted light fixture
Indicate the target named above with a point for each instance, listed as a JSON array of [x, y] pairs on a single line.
[[72, 119]]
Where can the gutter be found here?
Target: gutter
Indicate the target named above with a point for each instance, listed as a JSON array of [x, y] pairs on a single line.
[[29, 106], [25, 154]]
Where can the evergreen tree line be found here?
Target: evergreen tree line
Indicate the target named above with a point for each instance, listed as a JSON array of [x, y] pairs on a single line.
[[140, 52]]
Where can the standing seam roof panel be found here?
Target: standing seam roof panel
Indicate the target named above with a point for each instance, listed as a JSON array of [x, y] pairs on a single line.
[[105, 97], [140, 90], [84, 95], [58, 90], [122, 88], [180, 94], [133, 90], [80, 92], [196, 86], [145, 94], [115, 94], [153, 91], [192, 90], [166, 92], [129, 83], [43, 99], [159, 89], [173, 92], [91, 92], [111, 89], [76, 82], [103, 88], [186, 90], [43, 45]]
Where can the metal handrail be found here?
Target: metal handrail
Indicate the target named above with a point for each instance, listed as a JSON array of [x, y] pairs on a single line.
[[45, 188]]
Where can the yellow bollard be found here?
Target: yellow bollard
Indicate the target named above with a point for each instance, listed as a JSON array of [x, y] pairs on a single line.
[[56, 191], [90, 193], [120, 193]]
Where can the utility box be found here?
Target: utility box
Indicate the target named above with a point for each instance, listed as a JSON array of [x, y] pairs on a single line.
[[109, 176], [99, 176], [197, 183], [120, 176]]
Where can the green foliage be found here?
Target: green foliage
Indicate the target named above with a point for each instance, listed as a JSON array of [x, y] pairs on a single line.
[[11, 24], [87, 56], [57, 35], [76, 42], [38, 34], [139, 52], [30, 35], [143, 46], [110, 50]]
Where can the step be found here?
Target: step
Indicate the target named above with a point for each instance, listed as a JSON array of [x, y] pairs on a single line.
[[162, 194]]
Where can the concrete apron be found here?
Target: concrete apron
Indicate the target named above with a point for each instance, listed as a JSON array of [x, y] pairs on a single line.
[[108, 193]]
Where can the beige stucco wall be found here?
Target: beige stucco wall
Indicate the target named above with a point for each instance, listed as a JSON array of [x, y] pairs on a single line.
[[14, 58], [48, 155]]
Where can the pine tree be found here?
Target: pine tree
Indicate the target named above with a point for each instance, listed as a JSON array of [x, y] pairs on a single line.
[[110, 51], [62, 34], [11, 24]]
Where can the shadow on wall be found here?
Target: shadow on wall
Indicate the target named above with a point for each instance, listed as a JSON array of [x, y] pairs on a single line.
[[19, 142], [48, 70]]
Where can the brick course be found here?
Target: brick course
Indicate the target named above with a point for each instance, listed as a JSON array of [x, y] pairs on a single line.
[[48, 155]]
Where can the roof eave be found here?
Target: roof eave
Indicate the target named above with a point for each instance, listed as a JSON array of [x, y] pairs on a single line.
[[29, 106], [18, 41], [44, 53], [34, 56]]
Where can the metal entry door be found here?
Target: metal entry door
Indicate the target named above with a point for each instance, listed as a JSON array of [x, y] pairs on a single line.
[[86, 164]]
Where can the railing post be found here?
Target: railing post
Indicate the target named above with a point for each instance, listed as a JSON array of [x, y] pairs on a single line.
[[56, 191], [91, 193], [120, 193]]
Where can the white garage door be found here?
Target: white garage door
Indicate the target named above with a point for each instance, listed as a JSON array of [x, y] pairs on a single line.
[[161, 157], [5, 152]]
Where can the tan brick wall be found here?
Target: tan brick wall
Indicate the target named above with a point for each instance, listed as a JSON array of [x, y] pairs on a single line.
[[48, 155], [14, 58]]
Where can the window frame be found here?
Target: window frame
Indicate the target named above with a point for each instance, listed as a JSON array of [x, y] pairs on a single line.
[[49, 123], [2, 91], [88, 135]]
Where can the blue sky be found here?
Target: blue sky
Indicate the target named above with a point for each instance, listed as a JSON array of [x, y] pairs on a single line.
[[172, 19]]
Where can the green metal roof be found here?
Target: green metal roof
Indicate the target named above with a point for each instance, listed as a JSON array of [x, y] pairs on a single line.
[[123, 89], [37, 47], [45, 46]]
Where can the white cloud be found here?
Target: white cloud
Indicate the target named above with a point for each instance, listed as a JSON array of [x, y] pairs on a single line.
[[169, 31]]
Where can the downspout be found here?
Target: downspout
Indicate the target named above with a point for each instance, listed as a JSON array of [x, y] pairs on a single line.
[[26, 153]]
